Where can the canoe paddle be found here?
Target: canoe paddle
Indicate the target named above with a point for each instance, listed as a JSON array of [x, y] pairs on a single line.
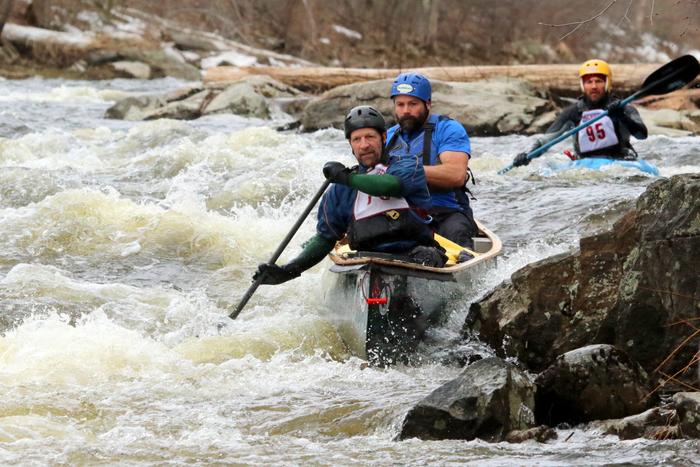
[[670, 77], [280, 249]]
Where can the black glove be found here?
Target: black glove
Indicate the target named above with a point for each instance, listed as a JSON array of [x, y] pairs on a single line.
[[337, 173], [271, 274], [521, 159], [615, 108]]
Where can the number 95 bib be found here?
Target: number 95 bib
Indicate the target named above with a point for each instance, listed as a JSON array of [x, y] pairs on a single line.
[[599, 135]]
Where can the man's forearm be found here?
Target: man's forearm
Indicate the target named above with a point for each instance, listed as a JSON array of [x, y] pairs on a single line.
[[376, 185], [450, 173]]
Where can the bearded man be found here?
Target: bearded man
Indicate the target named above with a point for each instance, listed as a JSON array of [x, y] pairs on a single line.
[[444, 147]]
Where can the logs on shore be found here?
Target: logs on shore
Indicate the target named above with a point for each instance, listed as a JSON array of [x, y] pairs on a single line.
[[557, 79]]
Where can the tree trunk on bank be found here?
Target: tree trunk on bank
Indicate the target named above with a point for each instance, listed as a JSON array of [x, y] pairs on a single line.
[[558, 79], [5, 9]]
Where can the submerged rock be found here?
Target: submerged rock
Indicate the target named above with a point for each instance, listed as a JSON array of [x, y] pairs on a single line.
[[656, 423], [489, 399], [540, 434]]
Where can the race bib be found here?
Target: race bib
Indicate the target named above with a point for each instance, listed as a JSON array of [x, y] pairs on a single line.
[[598, 135], [368, 205]]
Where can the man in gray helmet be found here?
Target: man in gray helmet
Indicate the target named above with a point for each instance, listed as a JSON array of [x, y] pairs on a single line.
[[380, 204]]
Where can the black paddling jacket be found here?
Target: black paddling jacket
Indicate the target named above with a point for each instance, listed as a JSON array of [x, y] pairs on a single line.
[[628, 124]]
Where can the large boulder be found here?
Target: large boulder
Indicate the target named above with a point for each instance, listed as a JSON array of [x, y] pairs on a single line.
[[655, 320], [634, 287], [489, 399], [489, 107], [557, 304], [596, 382]]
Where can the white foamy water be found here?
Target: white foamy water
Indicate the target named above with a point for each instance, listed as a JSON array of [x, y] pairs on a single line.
[[127, 244]]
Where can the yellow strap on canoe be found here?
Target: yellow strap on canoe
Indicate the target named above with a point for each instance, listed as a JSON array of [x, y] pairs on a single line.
[[452, 249]]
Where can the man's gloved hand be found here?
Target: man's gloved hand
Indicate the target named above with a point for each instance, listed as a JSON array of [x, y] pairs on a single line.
[[615, 108], [337, 173], [271, 274], [521, 159]]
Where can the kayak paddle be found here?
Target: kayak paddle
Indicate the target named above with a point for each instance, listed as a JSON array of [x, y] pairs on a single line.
[[280, 249]]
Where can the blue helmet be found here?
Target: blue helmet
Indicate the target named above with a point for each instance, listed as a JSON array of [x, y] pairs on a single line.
[[412, 84]]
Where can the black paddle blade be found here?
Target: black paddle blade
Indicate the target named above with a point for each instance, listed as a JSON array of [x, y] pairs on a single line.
[[674, 75]]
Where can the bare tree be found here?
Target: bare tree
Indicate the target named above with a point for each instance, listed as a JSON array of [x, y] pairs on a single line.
[[431, 38], [5, 10]]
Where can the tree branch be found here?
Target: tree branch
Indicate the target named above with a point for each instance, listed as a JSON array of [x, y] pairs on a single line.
[[625, 17], [579, 23]]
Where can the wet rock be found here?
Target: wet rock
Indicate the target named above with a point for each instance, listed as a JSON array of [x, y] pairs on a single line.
[[489, 399], [250, 98], [134, 107], [656, 423], [239, 99], [131, 69], [632, 286], [557, 304], [541, 434], [185, 109], [591, 383], [687, 405], [489, 107], [657, 299]]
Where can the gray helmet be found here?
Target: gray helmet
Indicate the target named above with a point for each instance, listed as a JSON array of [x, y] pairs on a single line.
[[364, 116]]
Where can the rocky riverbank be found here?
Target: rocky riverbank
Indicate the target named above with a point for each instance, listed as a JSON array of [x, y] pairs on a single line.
[[602, 336], [228, 76]]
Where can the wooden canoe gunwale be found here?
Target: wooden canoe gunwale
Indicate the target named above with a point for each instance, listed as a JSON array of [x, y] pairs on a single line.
[[495, 249]]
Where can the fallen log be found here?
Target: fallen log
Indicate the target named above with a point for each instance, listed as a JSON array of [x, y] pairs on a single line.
[[683, 99], [557, 79]]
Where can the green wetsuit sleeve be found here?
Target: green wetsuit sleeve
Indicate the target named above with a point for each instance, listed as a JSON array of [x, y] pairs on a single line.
[[315, 249], [376, 185]]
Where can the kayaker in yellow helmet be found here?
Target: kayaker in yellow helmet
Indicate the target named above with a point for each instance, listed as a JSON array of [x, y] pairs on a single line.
[[608, 137]]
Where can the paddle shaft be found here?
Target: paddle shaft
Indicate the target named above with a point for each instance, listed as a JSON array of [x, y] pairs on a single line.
[[545, 147], [281, 247]]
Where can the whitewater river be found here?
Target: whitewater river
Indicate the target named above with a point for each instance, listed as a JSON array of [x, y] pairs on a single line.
[[125, 245]]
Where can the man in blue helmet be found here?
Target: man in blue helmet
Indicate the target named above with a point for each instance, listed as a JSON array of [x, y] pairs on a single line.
[[381, 204], [444, 146]]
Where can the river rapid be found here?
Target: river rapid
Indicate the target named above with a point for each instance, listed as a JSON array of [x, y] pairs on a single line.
[[125, 245]]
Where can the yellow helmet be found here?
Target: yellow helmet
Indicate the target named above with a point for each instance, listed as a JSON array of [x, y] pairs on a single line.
[[596, 67]]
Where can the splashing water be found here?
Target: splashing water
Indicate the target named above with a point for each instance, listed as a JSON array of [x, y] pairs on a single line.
[[126, 245]]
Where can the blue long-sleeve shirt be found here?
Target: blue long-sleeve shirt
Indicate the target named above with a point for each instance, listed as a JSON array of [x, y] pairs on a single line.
[[336, 209]]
